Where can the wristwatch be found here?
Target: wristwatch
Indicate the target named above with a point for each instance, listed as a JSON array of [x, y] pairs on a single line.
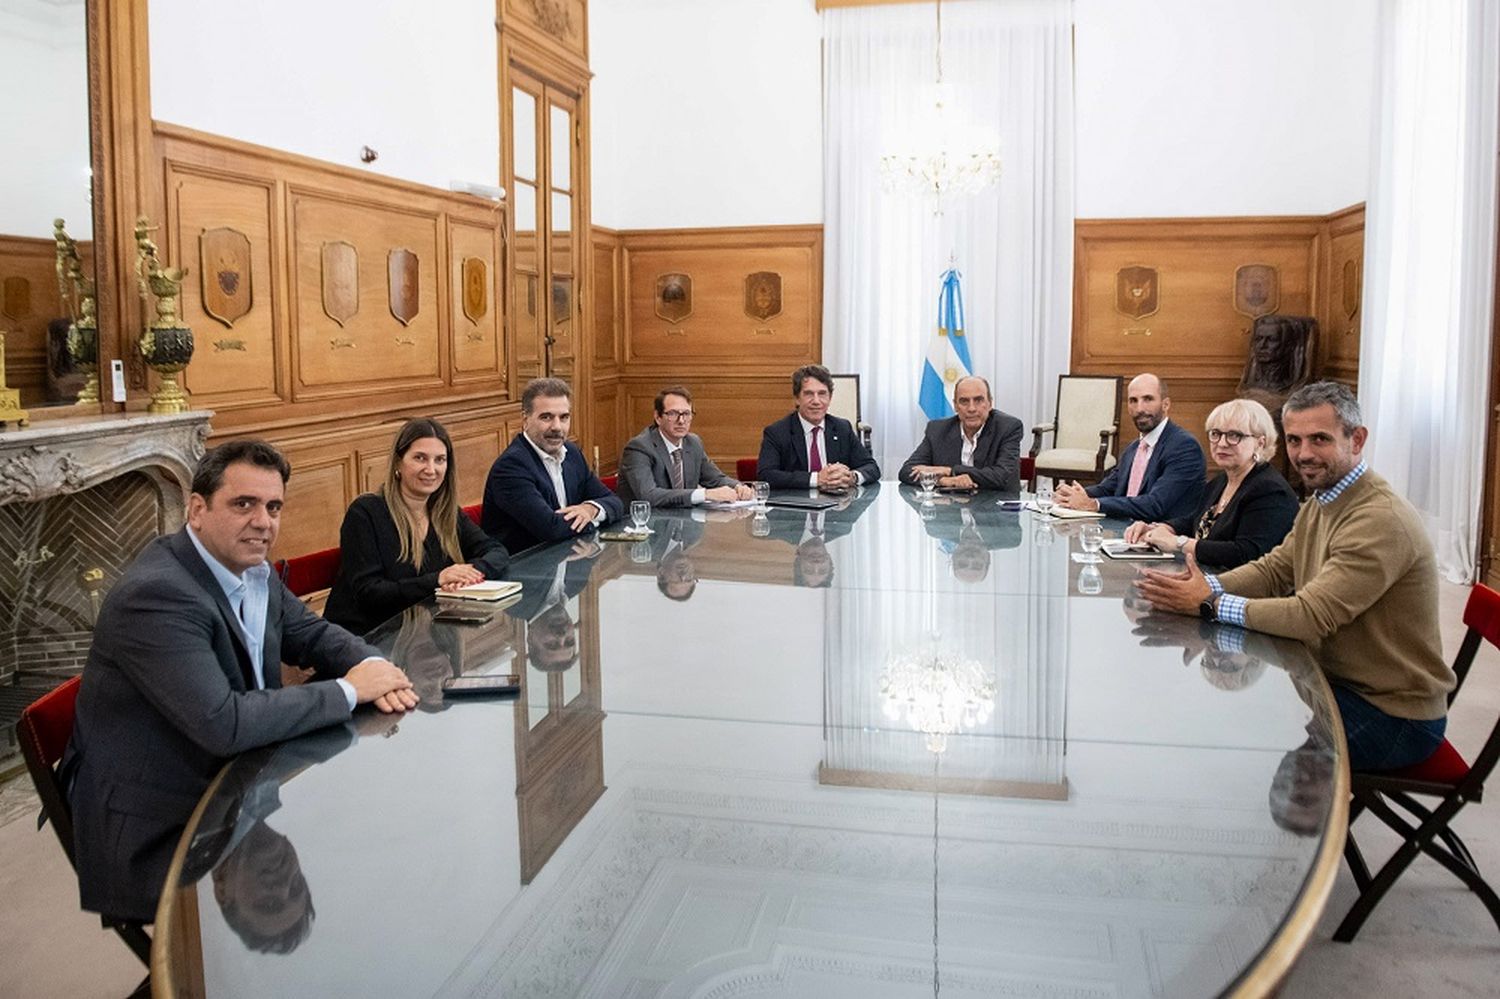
[[1182, 540], [1208, 609]]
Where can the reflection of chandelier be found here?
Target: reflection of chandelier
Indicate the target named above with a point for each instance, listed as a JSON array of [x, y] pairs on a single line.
[[943, 155], [941, 693]]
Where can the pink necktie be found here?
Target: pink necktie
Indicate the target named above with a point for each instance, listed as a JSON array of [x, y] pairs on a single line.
[[1138, 469], [814, 459]]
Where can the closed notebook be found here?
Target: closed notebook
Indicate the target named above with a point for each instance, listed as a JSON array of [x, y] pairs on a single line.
[[1064, 513], [490, 589]]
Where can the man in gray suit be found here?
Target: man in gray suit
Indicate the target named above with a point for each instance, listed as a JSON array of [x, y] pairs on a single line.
[[980, 448], [185, 672], [667, 466]]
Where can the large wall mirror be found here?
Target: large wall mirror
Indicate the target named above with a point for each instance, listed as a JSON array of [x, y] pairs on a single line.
[[46, 175]]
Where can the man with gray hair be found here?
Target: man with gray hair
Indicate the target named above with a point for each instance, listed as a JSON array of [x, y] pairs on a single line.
[[1355, 580], [541, 489]]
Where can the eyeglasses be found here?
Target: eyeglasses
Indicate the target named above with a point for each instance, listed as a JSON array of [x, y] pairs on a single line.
[[678, 414], [1230, 437]]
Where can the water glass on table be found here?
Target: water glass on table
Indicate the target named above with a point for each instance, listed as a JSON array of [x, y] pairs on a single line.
[[928, 481], [762, 495], [1091, 539], [640, 515], [1044, 499]]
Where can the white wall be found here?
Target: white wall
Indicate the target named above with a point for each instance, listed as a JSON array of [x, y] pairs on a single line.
[[45, 119], [416, 82], [1222, 107], [706, 113]]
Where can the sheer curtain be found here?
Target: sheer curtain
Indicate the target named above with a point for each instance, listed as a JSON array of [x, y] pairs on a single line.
[[1429, 264], [1011, 68]]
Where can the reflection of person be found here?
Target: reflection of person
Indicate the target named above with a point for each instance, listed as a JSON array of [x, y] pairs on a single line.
[[1160, 475], [1248, 507], [979, 448], [1356, 580], [429, 655], [1225, 655], [667, 466], [540, 489], [966, 532], [1299, 796], [676, 576], [184, 672], [398, 545], [552, 639], [810, 449]]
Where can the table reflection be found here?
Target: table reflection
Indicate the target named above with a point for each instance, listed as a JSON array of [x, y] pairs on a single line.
[[837, 753]]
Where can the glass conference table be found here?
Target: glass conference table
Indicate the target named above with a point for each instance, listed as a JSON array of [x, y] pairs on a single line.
[[888, 750]]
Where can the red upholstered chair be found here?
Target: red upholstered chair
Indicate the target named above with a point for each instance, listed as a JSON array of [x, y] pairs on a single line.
[[474, 512], [1028, 471], [1425, 828], [45, 727], [612, 481], [747, 469], [311, 572]]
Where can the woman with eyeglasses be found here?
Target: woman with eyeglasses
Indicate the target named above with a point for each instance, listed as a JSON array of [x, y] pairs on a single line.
[[409, 539], [1248, 507]]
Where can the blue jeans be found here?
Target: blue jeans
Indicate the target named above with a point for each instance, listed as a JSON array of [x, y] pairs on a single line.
[[1378, 741]]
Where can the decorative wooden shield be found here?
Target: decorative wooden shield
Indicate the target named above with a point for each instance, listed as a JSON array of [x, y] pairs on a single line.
[[475, 276], [674, 297], [1257, 290], [1136, 292], [404, 269], [762, 295], [15, 298], [1351, 289], [340, 281], [224, 274]]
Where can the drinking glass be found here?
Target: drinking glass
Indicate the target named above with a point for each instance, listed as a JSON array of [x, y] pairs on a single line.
[[929, 481], [762, 495], [1044, 495], [640, 513], [1091, 539], [640, 552], [760, 526], [1090, 581]]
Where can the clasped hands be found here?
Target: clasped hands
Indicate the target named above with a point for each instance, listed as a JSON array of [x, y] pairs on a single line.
[[946, 478], [382, 683], [837, 478], [728, 494], [1071, 495], [1181, 592]]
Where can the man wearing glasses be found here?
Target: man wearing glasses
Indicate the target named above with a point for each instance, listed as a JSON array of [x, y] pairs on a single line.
[[666, 465]]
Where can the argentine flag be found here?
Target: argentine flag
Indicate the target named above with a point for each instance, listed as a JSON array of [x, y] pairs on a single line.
[[947, 352]]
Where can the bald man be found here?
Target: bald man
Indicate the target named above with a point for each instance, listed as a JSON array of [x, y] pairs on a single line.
[[1161, 474], [979, 448]]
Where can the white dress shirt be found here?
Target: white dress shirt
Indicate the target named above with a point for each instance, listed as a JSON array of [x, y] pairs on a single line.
[[553, 465], [966, 457]]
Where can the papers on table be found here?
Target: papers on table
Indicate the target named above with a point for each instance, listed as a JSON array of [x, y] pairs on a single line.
[[1137, 552], [727, 504], [490, 589], [1063, 513]]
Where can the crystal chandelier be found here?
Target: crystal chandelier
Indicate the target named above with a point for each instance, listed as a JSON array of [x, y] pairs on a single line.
[[940, 693], [944, 155]]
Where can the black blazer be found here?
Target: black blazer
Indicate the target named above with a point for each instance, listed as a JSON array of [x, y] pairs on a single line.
[[1172, 487], [783, 452], [166, 700], [520, 505], [997, 459], [1256, 520], [373, 583]]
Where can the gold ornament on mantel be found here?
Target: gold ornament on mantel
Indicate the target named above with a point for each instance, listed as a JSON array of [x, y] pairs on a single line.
[[166, 344], [77, 291], [10, 399]]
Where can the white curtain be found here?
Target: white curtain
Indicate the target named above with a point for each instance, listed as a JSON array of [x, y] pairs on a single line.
[[1010, 65], [1430, 264]]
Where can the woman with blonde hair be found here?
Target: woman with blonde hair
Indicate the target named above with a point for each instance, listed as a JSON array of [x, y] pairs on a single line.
[[1248, 507], [401, 544]]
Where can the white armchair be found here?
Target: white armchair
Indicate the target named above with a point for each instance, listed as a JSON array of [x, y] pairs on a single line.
[[1083, 429]]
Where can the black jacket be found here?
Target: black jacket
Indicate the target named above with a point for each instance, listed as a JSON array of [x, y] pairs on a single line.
[[1255, 521], [783, 452]]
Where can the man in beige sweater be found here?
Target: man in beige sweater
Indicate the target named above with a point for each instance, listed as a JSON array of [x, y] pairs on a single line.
[[1355, 580]]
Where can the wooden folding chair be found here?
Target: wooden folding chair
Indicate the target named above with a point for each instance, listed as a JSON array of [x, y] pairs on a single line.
[[1444, 776]]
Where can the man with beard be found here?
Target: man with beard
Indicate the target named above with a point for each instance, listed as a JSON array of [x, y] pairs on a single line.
[[1355, 580], [1160, 476], [541, 489]]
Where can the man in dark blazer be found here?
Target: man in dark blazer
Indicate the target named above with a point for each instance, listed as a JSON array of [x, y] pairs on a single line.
[[1164, 483], [185, 672], [666, 465], [541, 489], [979, 448], [810, 449]]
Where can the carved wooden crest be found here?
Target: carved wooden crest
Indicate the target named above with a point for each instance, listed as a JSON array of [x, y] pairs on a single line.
[[553, 17], [1137, 292], [224, 274], [340, 281], [474, 278], [1351, 289], [404, 270], [15, 297], [762, 295], [1257, 290], [674, 297]]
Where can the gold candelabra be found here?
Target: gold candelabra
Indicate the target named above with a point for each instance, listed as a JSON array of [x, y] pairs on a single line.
[[166, 344], [77, 291]]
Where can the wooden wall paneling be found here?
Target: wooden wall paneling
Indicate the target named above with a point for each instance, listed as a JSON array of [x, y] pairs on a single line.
[[477, 278], [1342, 313], [237, 359], [732, 410], [475, 449], [609, 435], [325, 480], [604, 302], [29, 300], [717, 331]]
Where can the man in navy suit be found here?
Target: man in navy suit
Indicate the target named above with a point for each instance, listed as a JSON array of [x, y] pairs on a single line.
[[1160, 475], [810, 449], [540, 489]]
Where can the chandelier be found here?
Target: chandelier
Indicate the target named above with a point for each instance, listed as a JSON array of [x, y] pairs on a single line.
[[940, 693], [944, 155]]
